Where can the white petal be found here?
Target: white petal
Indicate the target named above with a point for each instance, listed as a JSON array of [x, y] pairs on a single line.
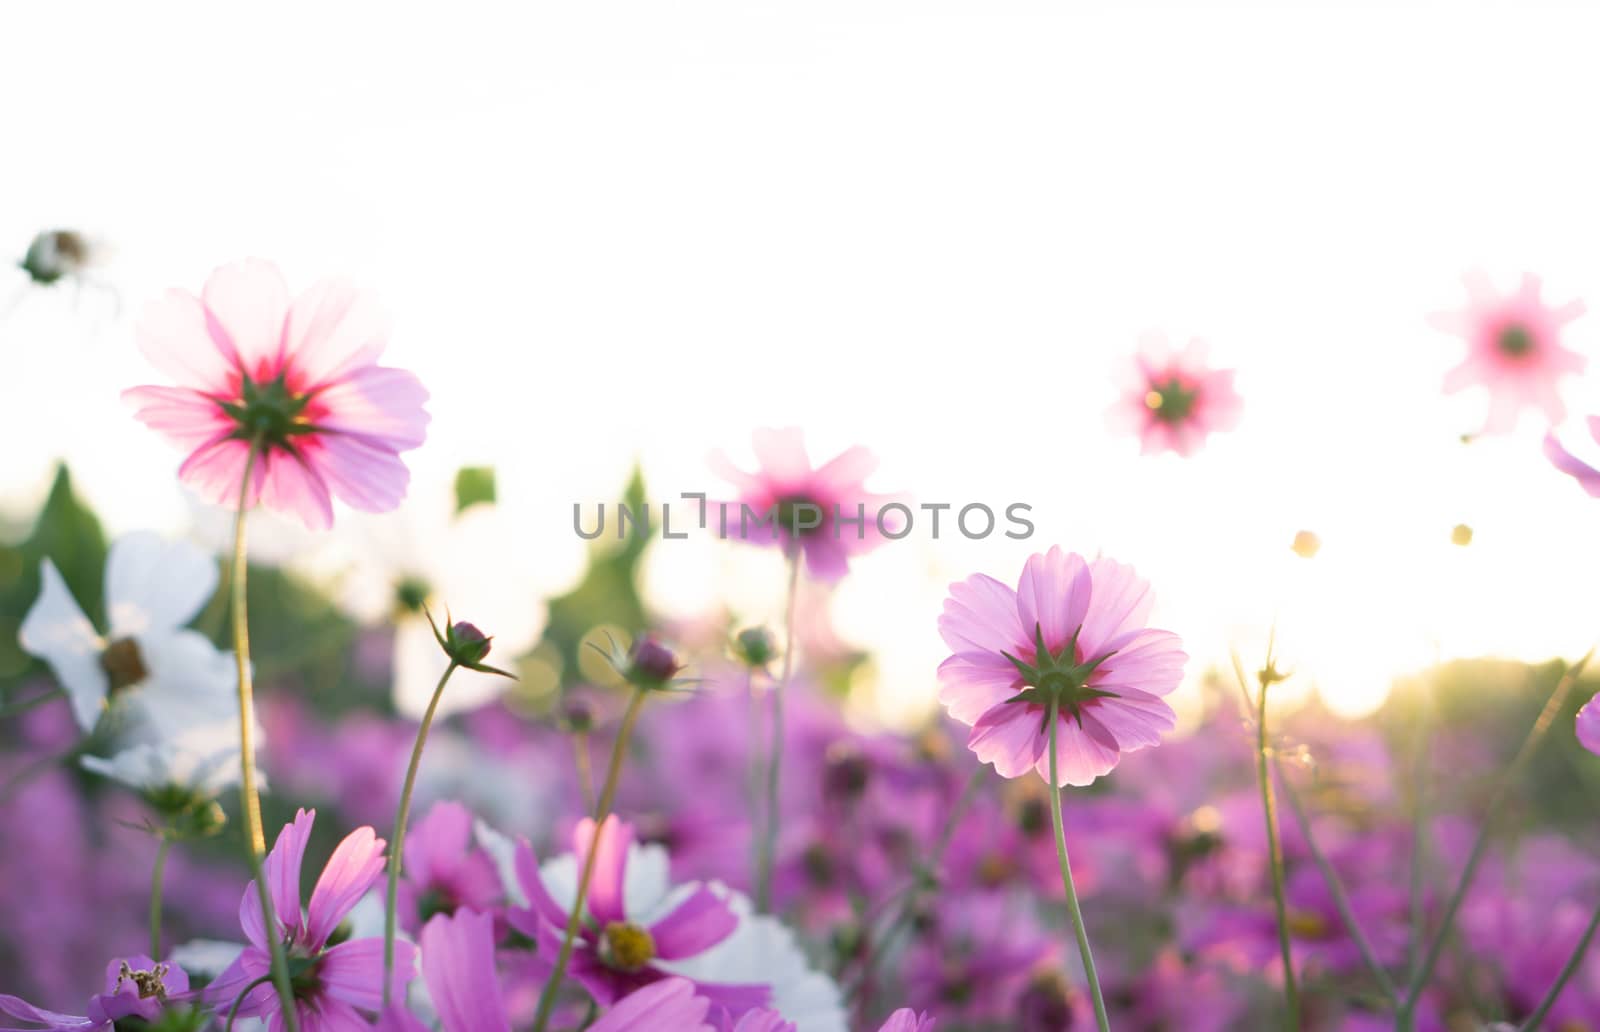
[[56, 631], [190, 684], [153, 583]]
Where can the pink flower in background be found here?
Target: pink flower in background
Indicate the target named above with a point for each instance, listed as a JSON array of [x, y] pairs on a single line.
[[625, 943], [335, 983], [1173, 399], [1588, 727], [1513, 349], [1074, 632], [800, 495], [443, 870], [301, 377], [907, 1020], [136, 987], [1586, 475]]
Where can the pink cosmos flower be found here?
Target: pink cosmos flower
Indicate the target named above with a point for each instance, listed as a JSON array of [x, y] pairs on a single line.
[[301, 377], [1513, 349], [458, 966], [907, 1020], [443, 870], [1588, 727], [619, 951], [1172, 400], [1073, 632], [136, 987], [333, 984], [807, 503]]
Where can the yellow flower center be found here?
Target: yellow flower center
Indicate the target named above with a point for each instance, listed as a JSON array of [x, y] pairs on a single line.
[[626, 947], [1304, 924]]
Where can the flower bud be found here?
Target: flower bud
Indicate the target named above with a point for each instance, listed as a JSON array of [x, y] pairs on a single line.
[[652, 664], [845, 773], [471, 644], [755, 647]]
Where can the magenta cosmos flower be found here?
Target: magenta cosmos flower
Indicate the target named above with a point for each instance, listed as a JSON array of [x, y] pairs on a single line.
[[1173, 400], [832, 496], [458, 966], [334, 985], [1588, 727], [1513, 349], [136, 987], [300, 377], [1073, 633], [444, 870], [624, 942]]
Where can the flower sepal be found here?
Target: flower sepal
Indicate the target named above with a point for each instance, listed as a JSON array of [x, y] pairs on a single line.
[[464, 644]]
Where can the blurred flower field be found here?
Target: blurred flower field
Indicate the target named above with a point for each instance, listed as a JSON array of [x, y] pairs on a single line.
[[597, 814]]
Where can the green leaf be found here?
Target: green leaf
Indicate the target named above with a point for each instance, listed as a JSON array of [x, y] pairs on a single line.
[[68, 533], [474, 486]]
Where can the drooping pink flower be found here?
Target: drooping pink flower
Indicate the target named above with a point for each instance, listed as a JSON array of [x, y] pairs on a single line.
[[620, 950], [1588, 727], [300, 377], [1174, 399], [335, 984], [443, 869], [1513, 349], [136, 987], [826, 513], [1073, 632]]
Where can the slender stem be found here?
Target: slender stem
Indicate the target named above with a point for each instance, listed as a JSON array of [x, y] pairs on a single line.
[[397, 841], [1530, 745], [1073, 909], [580, 756], [757, 775], [1537, 1017], [1341, 899], [249, 800], [769, 837], [1291, 993], [238, 1001], [619, 750], [155, 894]]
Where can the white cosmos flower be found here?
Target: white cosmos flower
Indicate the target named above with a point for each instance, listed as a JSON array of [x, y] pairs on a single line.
[[155, 675], [761, 950], [202, 761]]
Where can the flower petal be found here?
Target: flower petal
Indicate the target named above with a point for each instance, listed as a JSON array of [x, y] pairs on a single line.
[[352, 869], [605, 899], [246, 304], [56, 631], [459, 969], [669, 1003], [174, 336], [980, 615], [334, 328], [153, 583], [1054, 594], [374, 402], [352, 972], [695, 925], [1008, 737]]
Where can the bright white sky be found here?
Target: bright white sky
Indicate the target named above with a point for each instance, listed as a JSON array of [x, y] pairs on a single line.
[[620, 231]]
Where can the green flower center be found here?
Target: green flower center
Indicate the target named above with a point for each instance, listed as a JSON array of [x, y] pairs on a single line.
[[123, 664], [626, 947], [1060, 678], [269, 412], [1515, 341], [797, 514], [1170, 401]]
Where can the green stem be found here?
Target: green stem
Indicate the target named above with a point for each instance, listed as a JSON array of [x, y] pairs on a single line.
[[1530, 745], [1571, 967], [580, 756], [391, 911], [238, 1001], [619, 750], [155, 895], [25, 705], [769, 837], [1269, 807], [1073, 909], [1341, 899], [249, 800]]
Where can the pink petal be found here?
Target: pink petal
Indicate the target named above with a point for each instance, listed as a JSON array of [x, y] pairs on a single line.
[[981, 616], [172, 334], [365, 475], [1008, 737], [1586, 475], [438, 844], [216, 469], [1054, 593], [782, 455], [1083, 753], [693, 926], [1588, 727], [1120, 602], [292, 487], [843, 474], [352, 869], [542, 904], [972, 683], [1150, 660], [375, 402], [667, 1004], [184, 417], [246, 304], [352, 972], [605, 899], [334, 328], [282, 874], [459, 969], [1134, 719]]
